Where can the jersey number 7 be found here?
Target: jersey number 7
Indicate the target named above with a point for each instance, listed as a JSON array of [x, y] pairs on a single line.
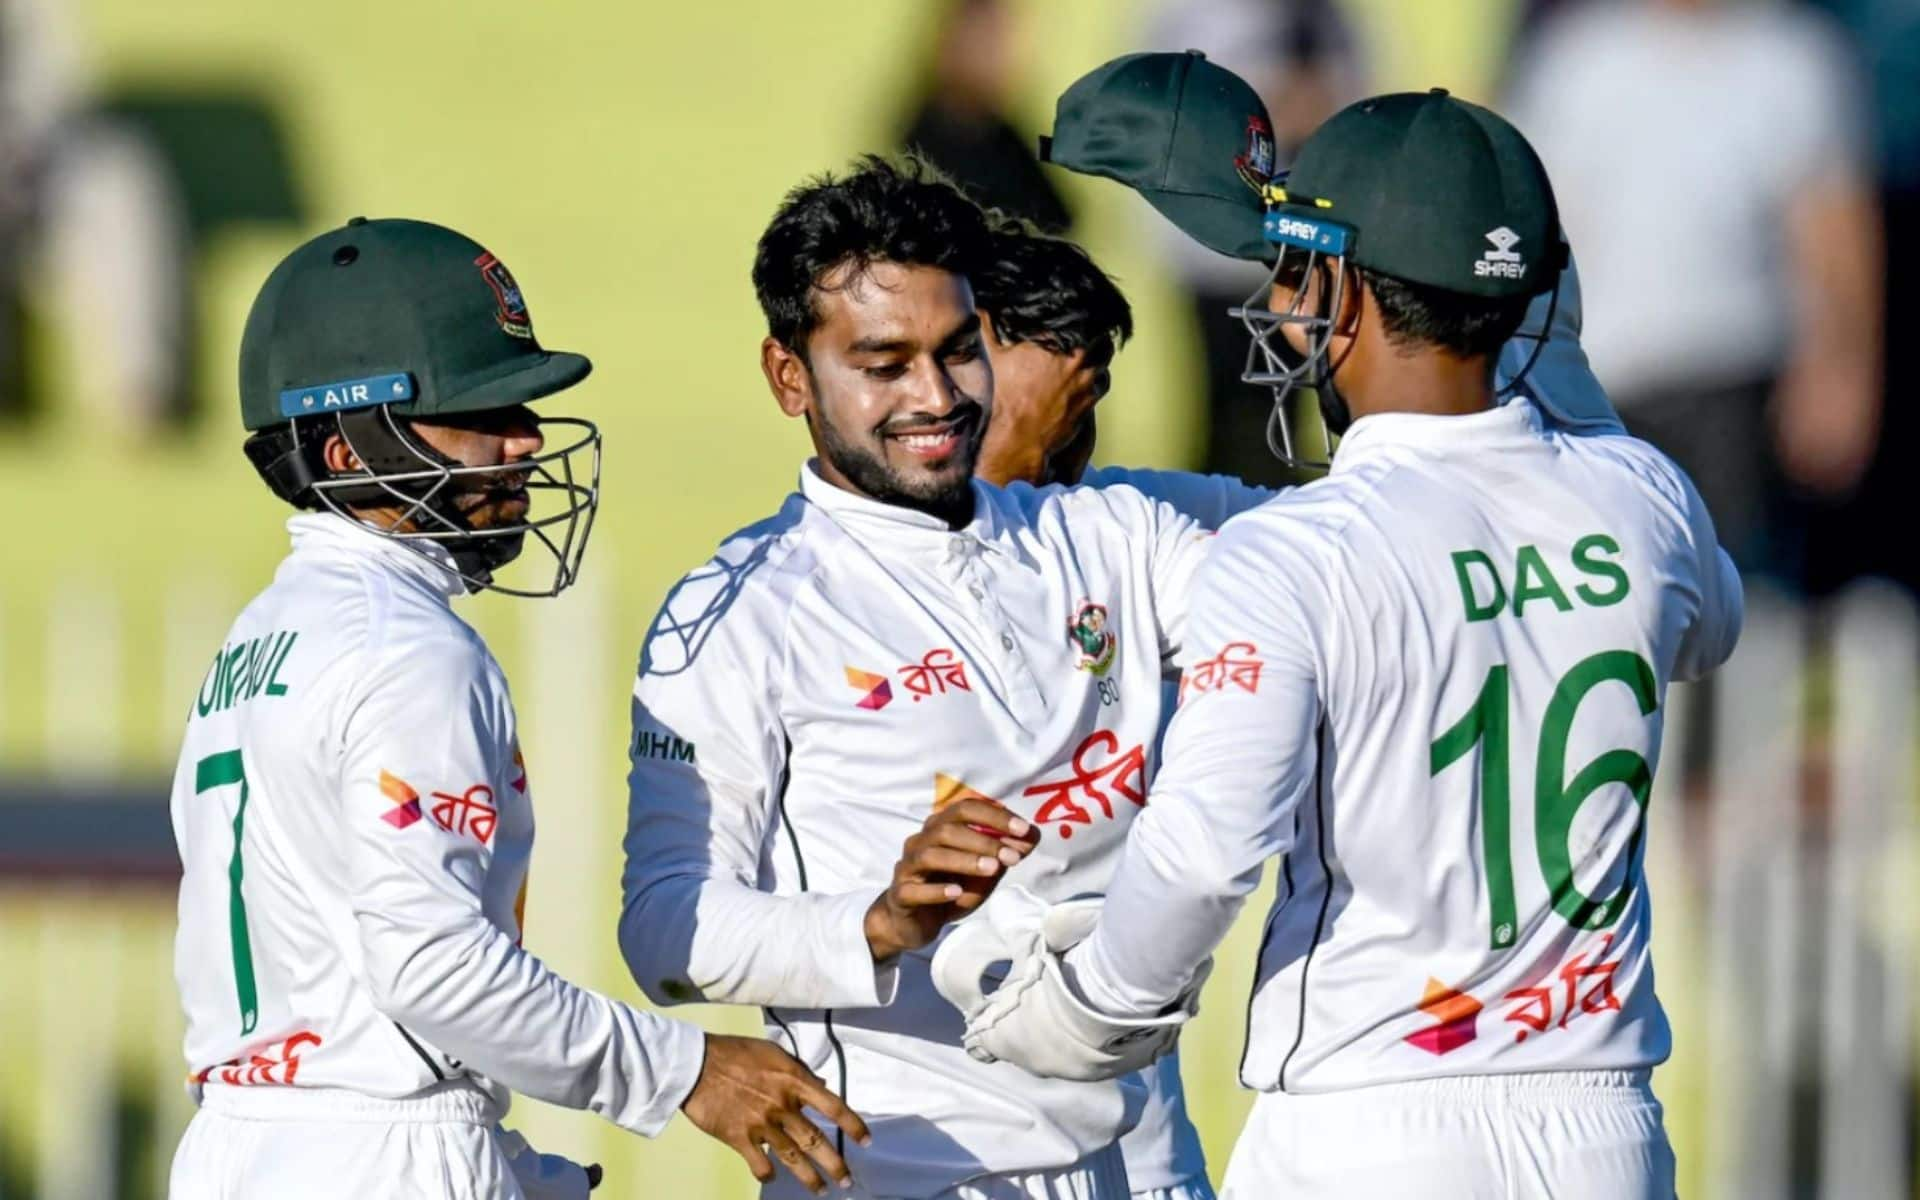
[[224, 770], [1556, 799]]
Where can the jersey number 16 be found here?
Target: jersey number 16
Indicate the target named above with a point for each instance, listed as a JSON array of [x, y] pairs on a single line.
[[1556, 799]]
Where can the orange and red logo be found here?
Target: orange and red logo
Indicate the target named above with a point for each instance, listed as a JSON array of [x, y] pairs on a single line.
[[879, 693], [471, 813], [1455, 1014], [406, 801]]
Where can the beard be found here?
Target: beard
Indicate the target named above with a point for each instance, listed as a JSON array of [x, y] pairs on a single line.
[[945, 491]]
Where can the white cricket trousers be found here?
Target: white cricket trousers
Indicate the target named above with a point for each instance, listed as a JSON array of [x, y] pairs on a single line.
[[1566, 1135], [1101, 1175], [323, 1144]]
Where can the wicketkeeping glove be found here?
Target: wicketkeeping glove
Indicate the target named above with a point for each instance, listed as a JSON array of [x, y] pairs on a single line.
[[1034, 1019]]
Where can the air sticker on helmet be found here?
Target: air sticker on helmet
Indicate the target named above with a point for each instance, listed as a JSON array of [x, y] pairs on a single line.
[[347, 393]]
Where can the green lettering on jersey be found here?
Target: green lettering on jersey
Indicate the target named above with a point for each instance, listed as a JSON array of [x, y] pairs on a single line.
[[1477, 611], [1533, 581], [274, 686], [210, 687], [240, 671], [1585, 558]]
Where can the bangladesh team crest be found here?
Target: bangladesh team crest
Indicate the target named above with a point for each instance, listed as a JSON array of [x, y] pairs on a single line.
[[1255, 163], [1093, 637], [512, 310]]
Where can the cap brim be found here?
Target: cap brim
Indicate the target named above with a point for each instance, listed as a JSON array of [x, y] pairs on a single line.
[[527, 380], [1234, 230]]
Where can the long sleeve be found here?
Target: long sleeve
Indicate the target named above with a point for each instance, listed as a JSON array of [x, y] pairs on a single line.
[[1711, 639], [433, 724], [1240, 755], [707, 768], [1209, 499], [1176, 546]]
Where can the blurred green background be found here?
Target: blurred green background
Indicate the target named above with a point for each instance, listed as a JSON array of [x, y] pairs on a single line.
[[622, 158]]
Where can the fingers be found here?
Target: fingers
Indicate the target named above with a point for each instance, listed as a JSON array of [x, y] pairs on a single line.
[[757, 1160], [987, 814], [948, 861], [784, 1148], [925, 895], [972, 839], [816, 1146], [815, 1095]]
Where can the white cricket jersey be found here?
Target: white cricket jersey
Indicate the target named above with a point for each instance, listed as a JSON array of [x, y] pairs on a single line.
[[353, 817], [1431, 685], [804, 702]]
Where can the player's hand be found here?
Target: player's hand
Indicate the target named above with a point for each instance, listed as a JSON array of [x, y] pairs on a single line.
[[946, 870], [752, 1095], [1047, 402]]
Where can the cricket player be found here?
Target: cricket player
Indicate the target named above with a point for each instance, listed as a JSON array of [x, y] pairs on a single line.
[[1054, 322], [1454, 993], [902, 687], [352, 810]]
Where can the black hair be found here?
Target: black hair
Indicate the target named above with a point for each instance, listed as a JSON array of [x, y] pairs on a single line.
[[1414, 314], [1048, 291], [882, 211]]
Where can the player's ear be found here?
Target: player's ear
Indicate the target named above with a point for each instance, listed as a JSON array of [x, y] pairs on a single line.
[[787, 377], [1353, 301], [338, 456]]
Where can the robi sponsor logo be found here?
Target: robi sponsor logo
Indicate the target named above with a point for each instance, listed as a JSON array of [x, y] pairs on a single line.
[[877, 692]]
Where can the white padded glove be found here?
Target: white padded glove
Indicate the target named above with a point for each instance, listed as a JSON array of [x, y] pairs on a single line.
[[1034, 1019]]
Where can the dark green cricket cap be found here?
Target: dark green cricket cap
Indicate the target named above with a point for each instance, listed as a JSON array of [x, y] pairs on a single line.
[[1427, 188], [1190, 136], [394, 312]]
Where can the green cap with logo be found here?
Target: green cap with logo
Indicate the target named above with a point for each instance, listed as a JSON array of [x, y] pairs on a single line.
[[1426, 188], [1190, 136], [394, 312]]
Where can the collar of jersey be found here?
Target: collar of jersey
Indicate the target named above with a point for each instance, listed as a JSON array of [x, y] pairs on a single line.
[[425, 561], [865, 518], [1516, 421]]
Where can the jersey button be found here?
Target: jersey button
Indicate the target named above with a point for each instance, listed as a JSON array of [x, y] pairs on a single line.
[[976, 591], [1006, 641]]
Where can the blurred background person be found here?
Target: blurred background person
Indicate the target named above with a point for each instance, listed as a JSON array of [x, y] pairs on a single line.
[[959, 123], [90, 205], [1306, 60], [1848, 539], [1712, 166]]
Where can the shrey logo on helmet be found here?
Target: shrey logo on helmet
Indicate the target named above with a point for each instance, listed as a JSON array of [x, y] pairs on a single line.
[[1502, 259], [512, 313], [1255, 165]]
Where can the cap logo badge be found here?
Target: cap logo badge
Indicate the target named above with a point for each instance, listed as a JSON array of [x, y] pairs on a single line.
[[512, 307], [1255, 165], [1501, 262]]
